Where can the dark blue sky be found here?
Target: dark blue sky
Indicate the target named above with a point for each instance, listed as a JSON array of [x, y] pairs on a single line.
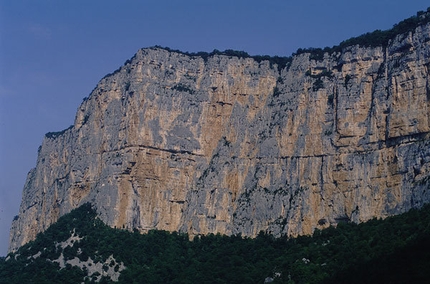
[[53, 53]]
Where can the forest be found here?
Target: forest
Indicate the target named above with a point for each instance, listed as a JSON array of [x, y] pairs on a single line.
[[393, 250]]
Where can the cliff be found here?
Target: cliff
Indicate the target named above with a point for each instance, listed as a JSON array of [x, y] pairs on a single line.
[[235, 144]]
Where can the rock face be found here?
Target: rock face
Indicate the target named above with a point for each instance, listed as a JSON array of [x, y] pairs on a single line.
[[224, 144]]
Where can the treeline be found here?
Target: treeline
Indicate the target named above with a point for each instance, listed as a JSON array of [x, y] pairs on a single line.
[[54, 135], [372, 39], [280, 61], [394, 250]]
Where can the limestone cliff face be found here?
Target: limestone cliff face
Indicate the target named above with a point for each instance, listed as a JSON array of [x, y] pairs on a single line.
[[233, 145]]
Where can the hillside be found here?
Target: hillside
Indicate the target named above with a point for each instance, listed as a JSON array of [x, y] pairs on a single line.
[[79, 247]]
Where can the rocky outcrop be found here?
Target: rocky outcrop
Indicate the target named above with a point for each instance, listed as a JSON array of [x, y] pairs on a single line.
[[225, 144]]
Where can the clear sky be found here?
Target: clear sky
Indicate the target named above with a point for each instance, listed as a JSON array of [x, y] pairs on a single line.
[[53, 53]]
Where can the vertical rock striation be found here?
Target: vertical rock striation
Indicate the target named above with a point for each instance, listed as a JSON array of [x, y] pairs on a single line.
[[225, 144]]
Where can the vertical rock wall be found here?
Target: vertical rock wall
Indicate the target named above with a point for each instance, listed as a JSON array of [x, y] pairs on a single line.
[[234, 145]]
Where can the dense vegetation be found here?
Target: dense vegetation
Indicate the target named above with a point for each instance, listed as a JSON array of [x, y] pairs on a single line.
[[394, 250], [372, 39]]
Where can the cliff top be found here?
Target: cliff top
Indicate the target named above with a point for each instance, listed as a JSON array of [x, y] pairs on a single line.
[[370, 39]]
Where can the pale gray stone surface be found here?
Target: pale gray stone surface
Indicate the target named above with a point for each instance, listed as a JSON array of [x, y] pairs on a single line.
[[231, 145]]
